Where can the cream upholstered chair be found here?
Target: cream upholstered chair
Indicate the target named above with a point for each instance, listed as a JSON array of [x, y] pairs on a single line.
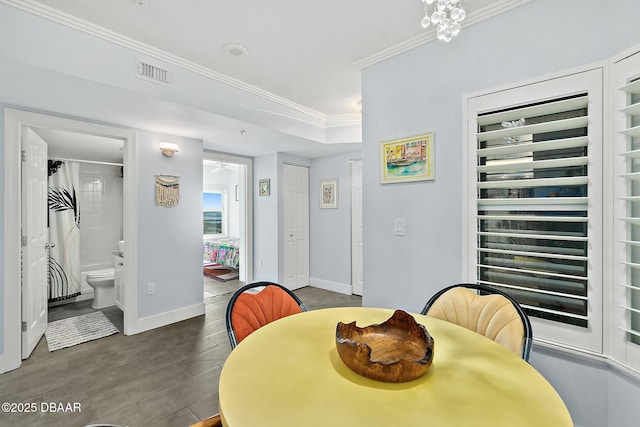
[[487, 311]]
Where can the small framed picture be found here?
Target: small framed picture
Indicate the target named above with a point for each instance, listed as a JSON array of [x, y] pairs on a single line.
[[329, 194], [264, 187]]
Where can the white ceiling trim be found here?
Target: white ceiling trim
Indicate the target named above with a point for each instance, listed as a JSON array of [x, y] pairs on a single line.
[[89, 28], [496, 8], [338, 120]]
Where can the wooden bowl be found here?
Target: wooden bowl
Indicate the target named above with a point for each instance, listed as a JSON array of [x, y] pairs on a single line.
[[398, 350]]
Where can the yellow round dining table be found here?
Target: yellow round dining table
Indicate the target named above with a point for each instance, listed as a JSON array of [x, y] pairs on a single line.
[[289, 374]]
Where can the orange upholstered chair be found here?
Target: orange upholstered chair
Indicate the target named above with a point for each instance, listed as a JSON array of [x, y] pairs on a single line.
[[485, 310], [256, 304], [214, 421]]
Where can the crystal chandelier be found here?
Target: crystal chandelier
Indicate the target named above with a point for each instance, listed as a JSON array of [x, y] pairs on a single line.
[[447, 15]]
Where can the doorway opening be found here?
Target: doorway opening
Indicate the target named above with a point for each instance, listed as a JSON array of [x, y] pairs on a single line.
[[227, 217], [25, 305], [86, 226]]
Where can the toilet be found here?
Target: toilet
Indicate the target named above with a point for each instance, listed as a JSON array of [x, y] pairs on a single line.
[[102, 282]]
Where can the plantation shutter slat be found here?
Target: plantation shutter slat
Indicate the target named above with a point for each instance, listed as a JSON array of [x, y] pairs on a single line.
[[632, 109], [633, 132], [635, 154], [545, 127], [534, 110], [631, 176], [528, 147], [542, 164], [545, 182], [537, 236], [532, 206]]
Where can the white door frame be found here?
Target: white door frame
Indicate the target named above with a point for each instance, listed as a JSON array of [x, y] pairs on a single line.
[[246, 220], [355, 173], [14, 122]]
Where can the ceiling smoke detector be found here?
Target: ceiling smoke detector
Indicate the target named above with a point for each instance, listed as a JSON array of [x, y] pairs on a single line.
[[235, 49]]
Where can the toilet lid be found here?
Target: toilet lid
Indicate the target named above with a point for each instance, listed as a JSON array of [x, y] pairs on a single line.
[[98, 275]]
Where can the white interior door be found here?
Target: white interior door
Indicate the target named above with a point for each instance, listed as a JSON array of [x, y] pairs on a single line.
[[296, 226], [34, 240], [356, 227]]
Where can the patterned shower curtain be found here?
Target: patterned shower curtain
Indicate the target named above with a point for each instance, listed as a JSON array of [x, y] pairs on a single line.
[[64, 230]]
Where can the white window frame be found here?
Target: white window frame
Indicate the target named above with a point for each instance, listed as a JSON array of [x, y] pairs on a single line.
[[605, 340], [625, 67], [588, 80]]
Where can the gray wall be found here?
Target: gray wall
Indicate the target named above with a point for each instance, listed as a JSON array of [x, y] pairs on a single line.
[[268, 246], [330, 229], [422, 91], [169, 238], [265, 220]]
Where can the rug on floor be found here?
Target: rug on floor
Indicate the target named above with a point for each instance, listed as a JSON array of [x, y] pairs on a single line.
[[221, 273], [76, 330]]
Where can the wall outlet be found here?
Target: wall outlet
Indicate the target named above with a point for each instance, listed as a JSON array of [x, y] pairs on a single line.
[[151, 288]]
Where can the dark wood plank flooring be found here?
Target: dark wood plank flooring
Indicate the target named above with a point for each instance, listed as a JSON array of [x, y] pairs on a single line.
[[163, 377]]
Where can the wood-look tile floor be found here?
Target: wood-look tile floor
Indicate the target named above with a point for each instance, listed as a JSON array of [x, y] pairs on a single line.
[[163, 377]]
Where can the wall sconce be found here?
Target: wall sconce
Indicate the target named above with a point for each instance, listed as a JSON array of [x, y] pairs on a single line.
[[168, 148]]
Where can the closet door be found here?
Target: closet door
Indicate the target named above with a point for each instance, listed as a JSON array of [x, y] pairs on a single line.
[[296, 226]]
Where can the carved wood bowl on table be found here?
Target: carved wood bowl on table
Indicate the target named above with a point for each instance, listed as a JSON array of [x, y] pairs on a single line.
[[398, 350]]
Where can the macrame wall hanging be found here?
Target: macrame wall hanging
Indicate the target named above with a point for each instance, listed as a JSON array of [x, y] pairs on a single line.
[[167, 190]]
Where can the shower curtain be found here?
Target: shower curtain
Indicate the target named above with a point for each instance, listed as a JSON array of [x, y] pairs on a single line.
[[64, 230]]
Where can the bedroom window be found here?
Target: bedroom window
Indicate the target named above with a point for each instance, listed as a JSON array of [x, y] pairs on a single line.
[[534, 191], [213, 213]]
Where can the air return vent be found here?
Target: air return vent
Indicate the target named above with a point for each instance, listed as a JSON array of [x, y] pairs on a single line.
[[150, 72]]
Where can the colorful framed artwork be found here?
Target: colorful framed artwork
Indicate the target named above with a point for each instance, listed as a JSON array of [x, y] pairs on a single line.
[[407, 159], [329, 194], [264, 187]]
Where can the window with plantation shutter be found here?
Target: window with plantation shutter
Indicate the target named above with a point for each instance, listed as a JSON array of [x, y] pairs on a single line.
[[626, 142], [535, 202]]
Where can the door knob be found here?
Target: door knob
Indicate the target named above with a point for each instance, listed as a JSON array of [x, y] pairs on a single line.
[[50, 245]]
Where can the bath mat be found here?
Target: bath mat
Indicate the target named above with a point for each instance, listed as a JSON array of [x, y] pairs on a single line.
[[76, 330]]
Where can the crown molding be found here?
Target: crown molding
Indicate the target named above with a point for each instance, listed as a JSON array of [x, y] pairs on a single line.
[[496, 8], [339, 120], [46, 12]]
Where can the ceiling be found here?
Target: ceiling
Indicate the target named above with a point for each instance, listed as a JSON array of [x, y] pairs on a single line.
[[307, 54]]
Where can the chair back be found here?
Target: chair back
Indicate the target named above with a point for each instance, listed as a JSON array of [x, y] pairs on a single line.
[[250, 308], [487, 311]]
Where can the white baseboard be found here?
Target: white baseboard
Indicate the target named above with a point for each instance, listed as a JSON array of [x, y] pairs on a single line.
[[328, 285], [164, 319]]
